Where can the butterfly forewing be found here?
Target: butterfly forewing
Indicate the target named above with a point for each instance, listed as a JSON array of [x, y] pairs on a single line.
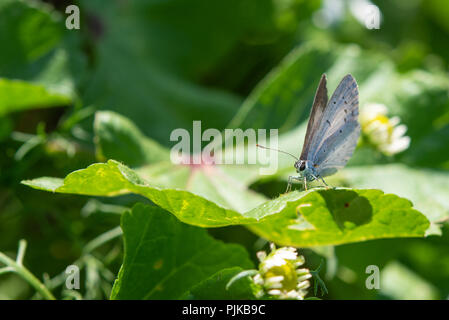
[[316, 114]]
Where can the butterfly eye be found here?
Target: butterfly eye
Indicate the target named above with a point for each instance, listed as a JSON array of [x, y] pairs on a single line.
[[302, 166]]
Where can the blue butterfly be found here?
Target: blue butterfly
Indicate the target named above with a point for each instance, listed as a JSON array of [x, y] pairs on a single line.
[[332, 132]]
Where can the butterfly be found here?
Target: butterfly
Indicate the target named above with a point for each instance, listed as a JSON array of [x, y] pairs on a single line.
[[332, 132]]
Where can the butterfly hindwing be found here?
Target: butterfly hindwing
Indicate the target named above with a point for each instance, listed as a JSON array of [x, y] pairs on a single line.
[[336, 137], [337, 149]]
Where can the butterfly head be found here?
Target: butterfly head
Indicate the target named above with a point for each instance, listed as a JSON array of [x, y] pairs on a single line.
[[306, 169], [300, 165]]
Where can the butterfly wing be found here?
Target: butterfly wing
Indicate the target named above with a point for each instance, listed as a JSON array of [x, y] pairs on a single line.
[[318, 107], [336, 137], [337, 150]]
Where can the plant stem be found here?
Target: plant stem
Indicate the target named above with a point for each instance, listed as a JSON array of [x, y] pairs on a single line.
[[21, 252], [18, 268], [102, 239]]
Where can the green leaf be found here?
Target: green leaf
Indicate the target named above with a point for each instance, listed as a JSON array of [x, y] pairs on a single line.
[[214, 288], [113, 178], [426, 188], [337, 216], [17, 95], [37, 69], [19, 21], [164, 258], [225, 185], [312, 218], [118, 138]]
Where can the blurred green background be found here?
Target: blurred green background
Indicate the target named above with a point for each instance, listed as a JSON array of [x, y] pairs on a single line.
[[165, 63]]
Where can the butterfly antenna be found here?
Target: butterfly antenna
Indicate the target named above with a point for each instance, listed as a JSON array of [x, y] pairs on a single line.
[[258, 145]]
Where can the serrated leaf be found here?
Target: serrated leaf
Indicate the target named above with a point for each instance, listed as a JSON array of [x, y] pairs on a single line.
[[164, 257], [337, 216], [311, 218], [113, 178], [426, 188]]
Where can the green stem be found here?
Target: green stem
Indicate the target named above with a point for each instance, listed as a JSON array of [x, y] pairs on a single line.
[[318, 282], [24, 273], [102, 239]]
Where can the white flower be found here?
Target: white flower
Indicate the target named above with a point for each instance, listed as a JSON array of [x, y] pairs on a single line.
[[385, 134], [279, 274]]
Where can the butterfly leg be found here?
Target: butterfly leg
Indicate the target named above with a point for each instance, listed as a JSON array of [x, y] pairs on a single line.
[[290, 182], [323, 181], [305, 183], [321, 178]]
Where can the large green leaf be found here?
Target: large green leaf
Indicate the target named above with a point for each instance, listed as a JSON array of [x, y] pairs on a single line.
[[428, 189], [113, 178], [164, 257], [337, 216], [311, 218]]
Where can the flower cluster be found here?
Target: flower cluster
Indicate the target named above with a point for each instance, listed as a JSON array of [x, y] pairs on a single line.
[[385, 134], [279, 273]]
